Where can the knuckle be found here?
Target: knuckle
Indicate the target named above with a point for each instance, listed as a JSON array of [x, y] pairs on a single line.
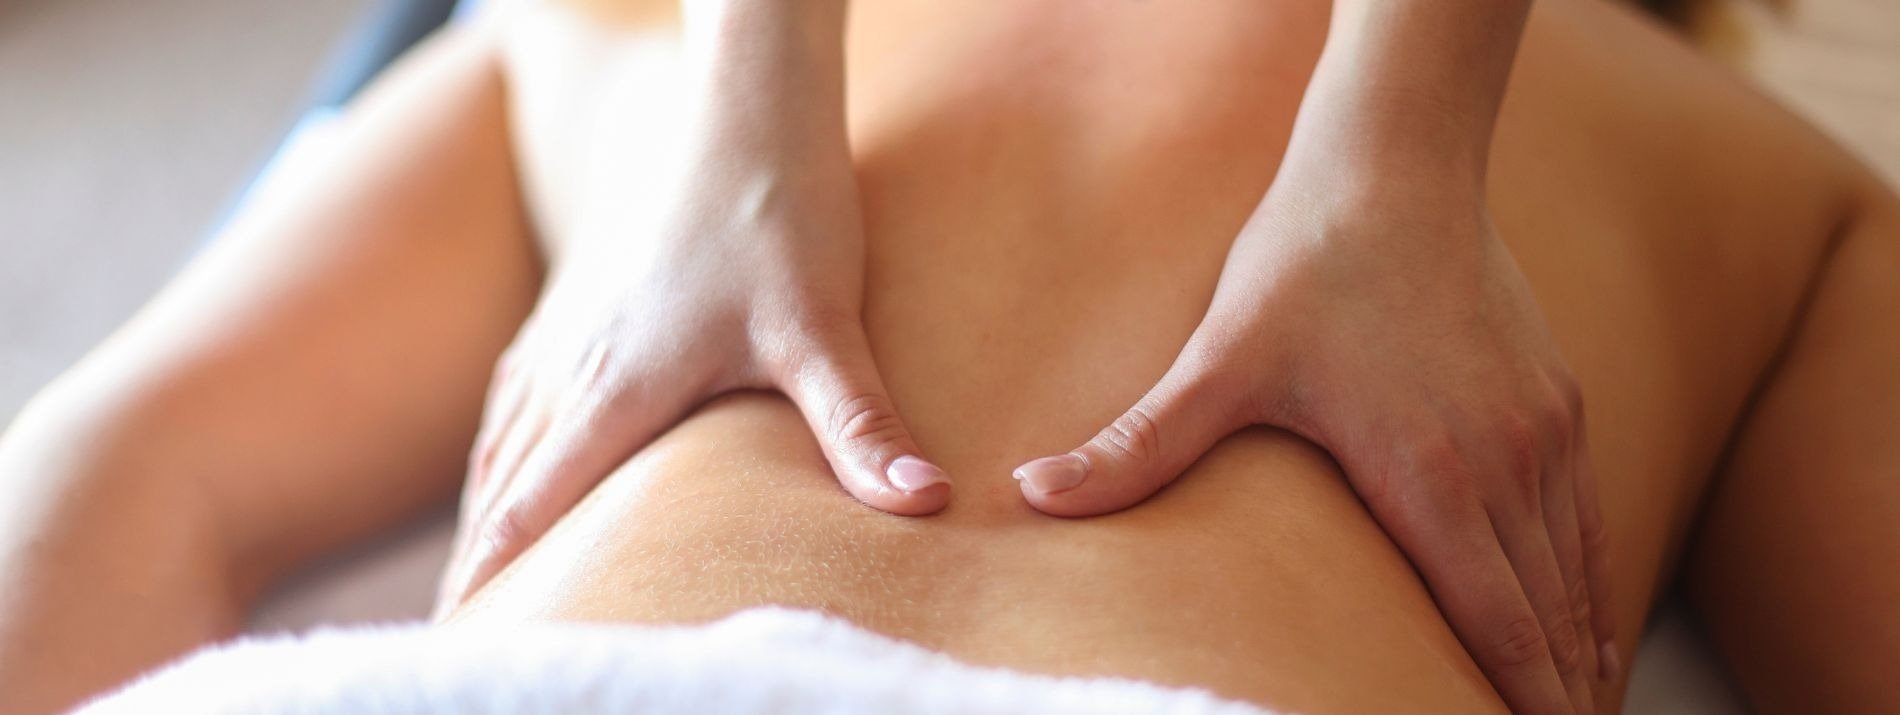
[[504, 529], [1133, 436], [1565, 650], [1570, 392], [1519, 643], [1516, 441], [865, 417], [1558, 423], [1580, 603], [1440, 458], [1565, 412], [1516, 445], [1595, 539], [481, 460], [596, 366], [1433, 463]]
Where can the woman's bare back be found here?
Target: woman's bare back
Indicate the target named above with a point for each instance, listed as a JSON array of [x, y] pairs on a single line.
[[1049, 197]]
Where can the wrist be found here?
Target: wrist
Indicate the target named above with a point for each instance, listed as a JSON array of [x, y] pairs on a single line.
[[1404, 157], [762, 37], [768, 75], [1381, 156], [1336, 194], [1409, 89]]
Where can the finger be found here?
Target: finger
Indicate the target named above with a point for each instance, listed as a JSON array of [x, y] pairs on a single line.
[[1596, 560], [836, 385], [1141, 451], [521, 437], [566, 463], [505, 404], [1560, 516], [517, 439], [1448, 538], [1526, 541], [479, 500]]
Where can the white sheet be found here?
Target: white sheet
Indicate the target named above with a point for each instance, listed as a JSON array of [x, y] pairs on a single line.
[[767, 660]]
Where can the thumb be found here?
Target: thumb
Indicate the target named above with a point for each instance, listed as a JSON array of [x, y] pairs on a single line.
[[1140, 452], [837, 387]]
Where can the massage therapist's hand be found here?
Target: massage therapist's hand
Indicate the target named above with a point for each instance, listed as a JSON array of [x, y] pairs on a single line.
[[1396, 332], [749, 274], [1369, 306]]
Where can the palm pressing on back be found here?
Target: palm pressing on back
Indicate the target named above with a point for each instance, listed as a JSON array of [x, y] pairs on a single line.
[[748, 275], [1428, 372], [1369, 306]]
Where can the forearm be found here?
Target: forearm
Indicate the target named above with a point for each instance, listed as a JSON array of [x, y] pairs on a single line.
[[1410, 88]]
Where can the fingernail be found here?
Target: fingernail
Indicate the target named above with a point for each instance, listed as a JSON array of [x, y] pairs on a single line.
[[912, 474], [1054, 474], [1608, 665]]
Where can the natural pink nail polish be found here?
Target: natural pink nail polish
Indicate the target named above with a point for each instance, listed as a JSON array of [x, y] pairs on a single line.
[[912, 474], [1054, 474]]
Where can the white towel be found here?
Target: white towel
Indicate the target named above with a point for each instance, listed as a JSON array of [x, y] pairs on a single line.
[[768, 660]]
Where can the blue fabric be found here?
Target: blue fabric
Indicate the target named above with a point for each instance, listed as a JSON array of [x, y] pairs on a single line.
[[389, 29]]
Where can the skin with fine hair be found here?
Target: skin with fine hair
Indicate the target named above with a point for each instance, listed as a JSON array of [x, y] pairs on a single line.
[[1380, 200], [1039, 245], [1369, 306], [756, 285]]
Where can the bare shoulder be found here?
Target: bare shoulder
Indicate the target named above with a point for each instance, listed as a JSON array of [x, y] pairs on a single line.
[[1661, 122]]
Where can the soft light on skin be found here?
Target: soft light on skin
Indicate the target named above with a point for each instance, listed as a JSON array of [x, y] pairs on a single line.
[[1369, 293]]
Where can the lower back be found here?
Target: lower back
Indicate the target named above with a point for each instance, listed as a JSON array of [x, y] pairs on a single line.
[[1257, 575], [1049, 198]]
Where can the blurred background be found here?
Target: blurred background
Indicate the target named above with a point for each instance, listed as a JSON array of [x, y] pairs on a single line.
[[126, 129], [129, 127]]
